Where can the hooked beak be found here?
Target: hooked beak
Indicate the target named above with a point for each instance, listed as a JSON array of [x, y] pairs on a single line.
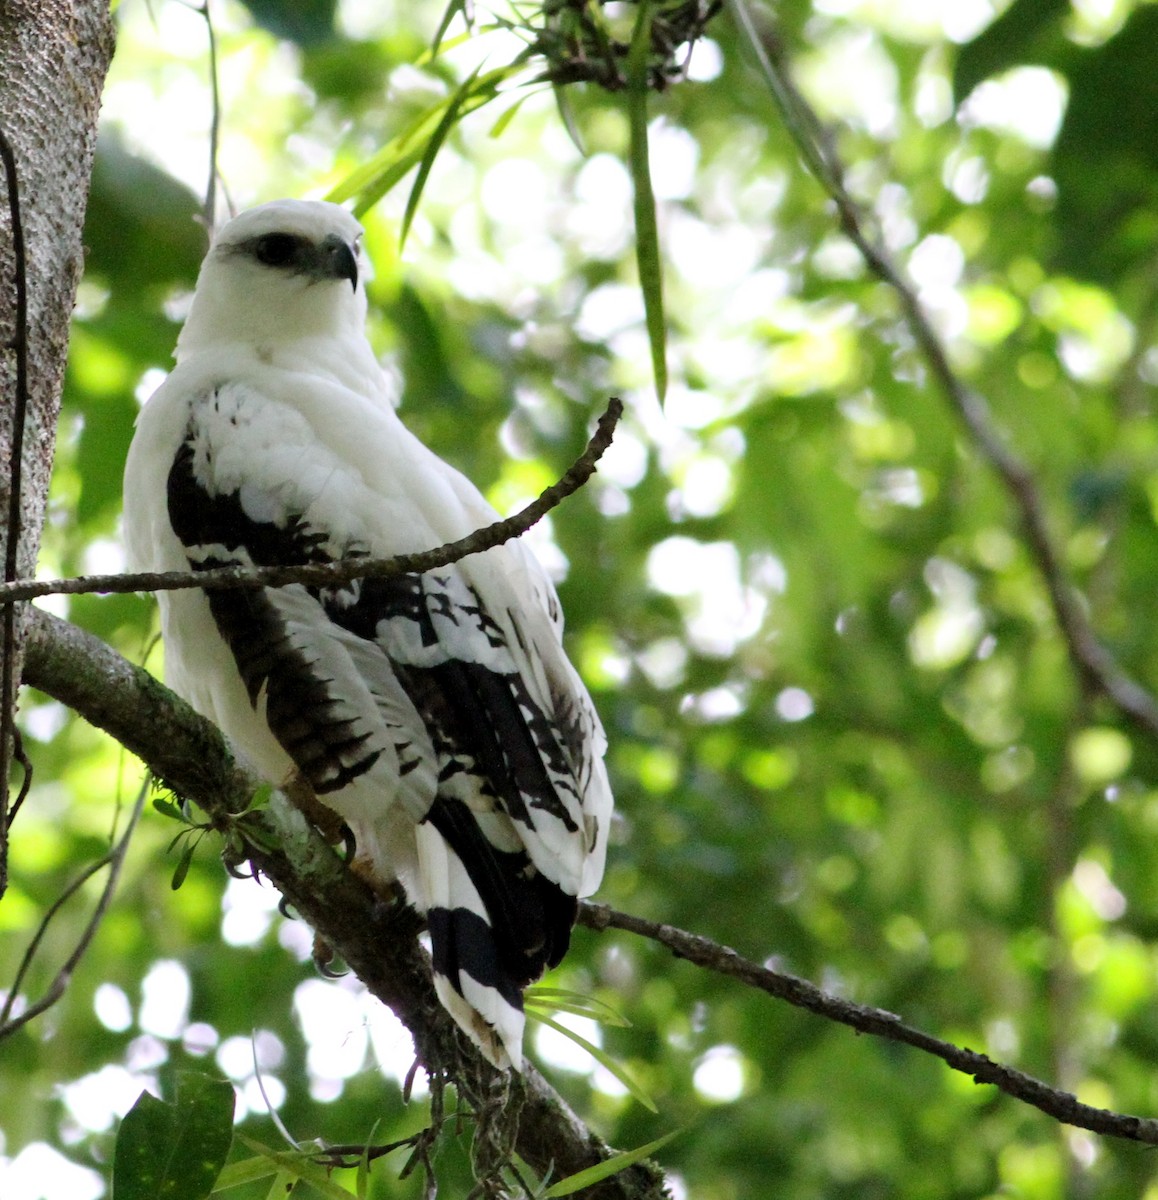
[[341, 262]]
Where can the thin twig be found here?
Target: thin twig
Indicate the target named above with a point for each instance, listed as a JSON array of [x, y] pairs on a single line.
[[346, 569], [348, 1156], [34, 945], [703, 952], [20, 755], [114, 860], [209, 209], [19, 345], [1093, 661], [214, 125]]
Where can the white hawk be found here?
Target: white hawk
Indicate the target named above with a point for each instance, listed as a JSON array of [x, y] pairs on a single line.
[[436, 714]]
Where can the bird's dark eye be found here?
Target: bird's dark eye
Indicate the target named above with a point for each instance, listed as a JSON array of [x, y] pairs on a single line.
[[276, 249]]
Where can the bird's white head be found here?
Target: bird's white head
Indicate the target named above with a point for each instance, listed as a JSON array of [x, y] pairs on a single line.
[[287, 270]]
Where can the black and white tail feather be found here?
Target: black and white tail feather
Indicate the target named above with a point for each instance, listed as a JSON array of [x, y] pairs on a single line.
[[436, 714]]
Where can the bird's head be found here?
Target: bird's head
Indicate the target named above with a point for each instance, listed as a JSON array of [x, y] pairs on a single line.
[[287, 270]]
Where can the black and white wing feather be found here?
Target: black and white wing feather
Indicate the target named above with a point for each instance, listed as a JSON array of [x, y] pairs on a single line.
[[435, 713]]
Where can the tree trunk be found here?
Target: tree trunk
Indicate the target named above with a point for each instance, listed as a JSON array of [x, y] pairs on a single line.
[[54, 55]]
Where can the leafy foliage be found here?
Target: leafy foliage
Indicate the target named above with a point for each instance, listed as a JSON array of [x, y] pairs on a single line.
[[174, 1151], [845, 730]]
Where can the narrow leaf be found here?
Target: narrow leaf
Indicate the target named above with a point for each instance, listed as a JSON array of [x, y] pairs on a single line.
[[440, 134], [646, 228], [297, 1165], [246, 1171], [460, 39], [604, 1059], [370, 195], [365, 176], [282, 1186], [564, 1000], [174, 1151], [604, 1170], [417, 143], [567, 116], [500, 126], [271, 1112], [169, 809], [362, 1180], [183, 865], [454, 7]]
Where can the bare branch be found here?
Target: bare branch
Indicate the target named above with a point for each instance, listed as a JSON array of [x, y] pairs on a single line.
[[114, 860], [332, 574], [1093, 662], [876, 1021], [214, 126]]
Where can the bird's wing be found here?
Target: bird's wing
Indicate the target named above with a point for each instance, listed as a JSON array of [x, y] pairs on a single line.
[[443, 698]]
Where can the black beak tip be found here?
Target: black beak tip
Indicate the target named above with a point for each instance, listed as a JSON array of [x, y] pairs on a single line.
[[348, 266], [342, 261]]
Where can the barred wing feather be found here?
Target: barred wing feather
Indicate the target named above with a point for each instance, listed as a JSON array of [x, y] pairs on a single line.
[[444, 696]]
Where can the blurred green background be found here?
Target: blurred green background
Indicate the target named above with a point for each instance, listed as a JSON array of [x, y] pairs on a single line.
[[845, 734]]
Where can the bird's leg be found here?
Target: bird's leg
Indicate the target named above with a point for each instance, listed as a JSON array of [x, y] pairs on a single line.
[[389, 891], [334, 830], [303, 797]]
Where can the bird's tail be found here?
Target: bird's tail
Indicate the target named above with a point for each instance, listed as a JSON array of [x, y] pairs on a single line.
[[470, 977]]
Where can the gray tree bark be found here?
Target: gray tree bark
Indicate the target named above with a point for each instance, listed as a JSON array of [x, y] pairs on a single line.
[[54, 55]]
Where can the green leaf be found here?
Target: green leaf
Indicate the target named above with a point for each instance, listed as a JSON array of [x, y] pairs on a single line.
[[440, 134], [174, 1151], [567, 116], [604, 1170], [283, 1185], [169, 809], [261, 796], [444, 44], [362, 1180], [183, 864], [454, 7], [246, 1171], [564, 1000], [646, 229], [499, 127], [602, 1057], [366, 178], [417, 144], [299, 1166]]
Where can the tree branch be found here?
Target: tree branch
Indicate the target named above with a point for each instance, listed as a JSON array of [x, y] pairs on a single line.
[[378, 941], [114, 860], [1093, 662], [333, 574], [876, 1021], [19, 347]]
